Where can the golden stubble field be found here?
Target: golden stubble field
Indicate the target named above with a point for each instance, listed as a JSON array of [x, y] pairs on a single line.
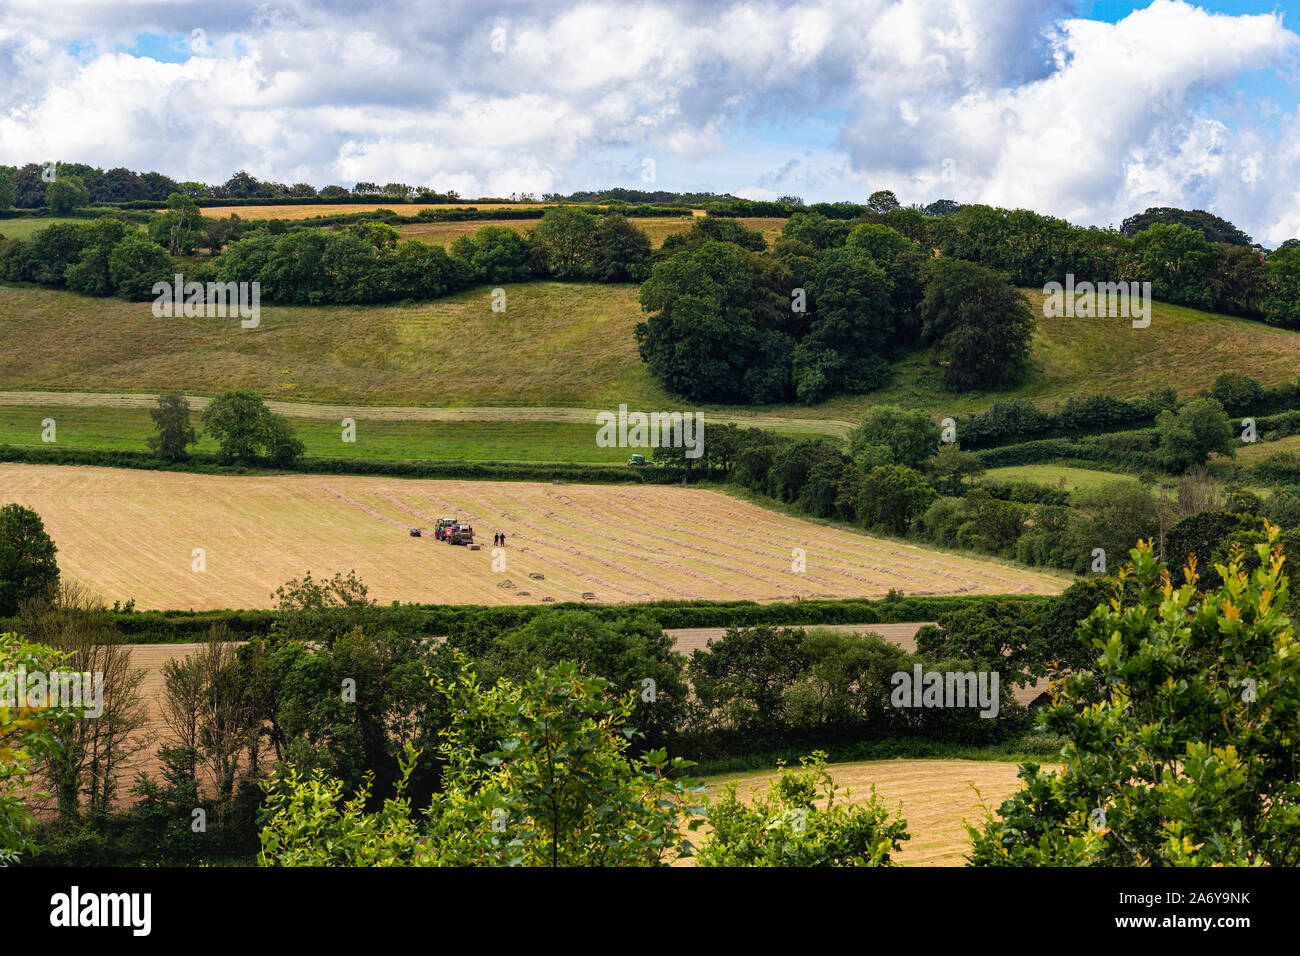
[[658, 228], [135, 534], [936, 797]]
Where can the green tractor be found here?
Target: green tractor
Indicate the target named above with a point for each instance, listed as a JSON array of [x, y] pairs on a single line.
[[638, 461]]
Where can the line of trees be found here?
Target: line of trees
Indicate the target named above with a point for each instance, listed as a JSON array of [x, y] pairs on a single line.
[[363, 262], [246, 430], [38, 185]]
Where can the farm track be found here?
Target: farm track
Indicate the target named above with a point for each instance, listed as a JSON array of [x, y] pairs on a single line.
[[413, 413]]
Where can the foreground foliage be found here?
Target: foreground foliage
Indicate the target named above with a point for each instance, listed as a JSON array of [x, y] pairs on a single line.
[[25, 739], [798, 822], [537, 774], [1182, 751]]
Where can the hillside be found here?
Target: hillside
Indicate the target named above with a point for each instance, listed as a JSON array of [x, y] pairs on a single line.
[[558, 344]]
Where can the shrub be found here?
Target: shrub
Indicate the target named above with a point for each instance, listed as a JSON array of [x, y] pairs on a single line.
[[1190, 435], [1187, 757], [892, 497], [135, 265], [248, 431], [788, 825], [28, 568]]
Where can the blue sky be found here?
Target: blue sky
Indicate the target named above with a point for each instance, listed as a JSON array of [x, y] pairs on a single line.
[[1087, 109]]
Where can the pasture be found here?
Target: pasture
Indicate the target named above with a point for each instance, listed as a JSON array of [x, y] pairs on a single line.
[[1057, 476], [557, 344], [134, 534], [24, 227]]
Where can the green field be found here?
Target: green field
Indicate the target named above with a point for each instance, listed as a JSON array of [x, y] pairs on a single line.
[[1057, 476], [24, 227], [1256, 452], [127, 429], [557, 344]]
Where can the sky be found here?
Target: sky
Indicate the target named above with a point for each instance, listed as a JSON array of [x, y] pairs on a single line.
[[1091, 110]]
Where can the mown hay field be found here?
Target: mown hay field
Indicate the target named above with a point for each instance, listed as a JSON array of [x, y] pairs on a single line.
[[936, 798], [134, 534], [658, 228]]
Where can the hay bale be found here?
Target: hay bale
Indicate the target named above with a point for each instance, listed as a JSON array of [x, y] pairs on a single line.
[[588, 596], [537, 575], [548, 598], [507, 583]]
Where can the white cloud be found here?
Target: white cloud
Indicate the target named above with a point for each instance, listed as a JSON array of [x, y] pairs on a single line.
[[1014, 103]]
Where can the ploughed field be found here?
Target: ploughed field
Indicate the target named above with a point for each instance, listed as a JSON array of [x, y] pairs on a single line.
[[134, 534]]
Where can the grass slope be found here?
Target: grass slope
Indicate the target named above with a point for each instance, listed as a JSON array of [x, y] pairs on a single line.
[[128, 429], [557, 344], [24, 227]]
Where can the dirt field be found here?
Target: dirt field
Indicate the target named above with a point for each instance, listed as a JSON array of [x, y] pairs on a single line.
[[936, 797], [133, 534]]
